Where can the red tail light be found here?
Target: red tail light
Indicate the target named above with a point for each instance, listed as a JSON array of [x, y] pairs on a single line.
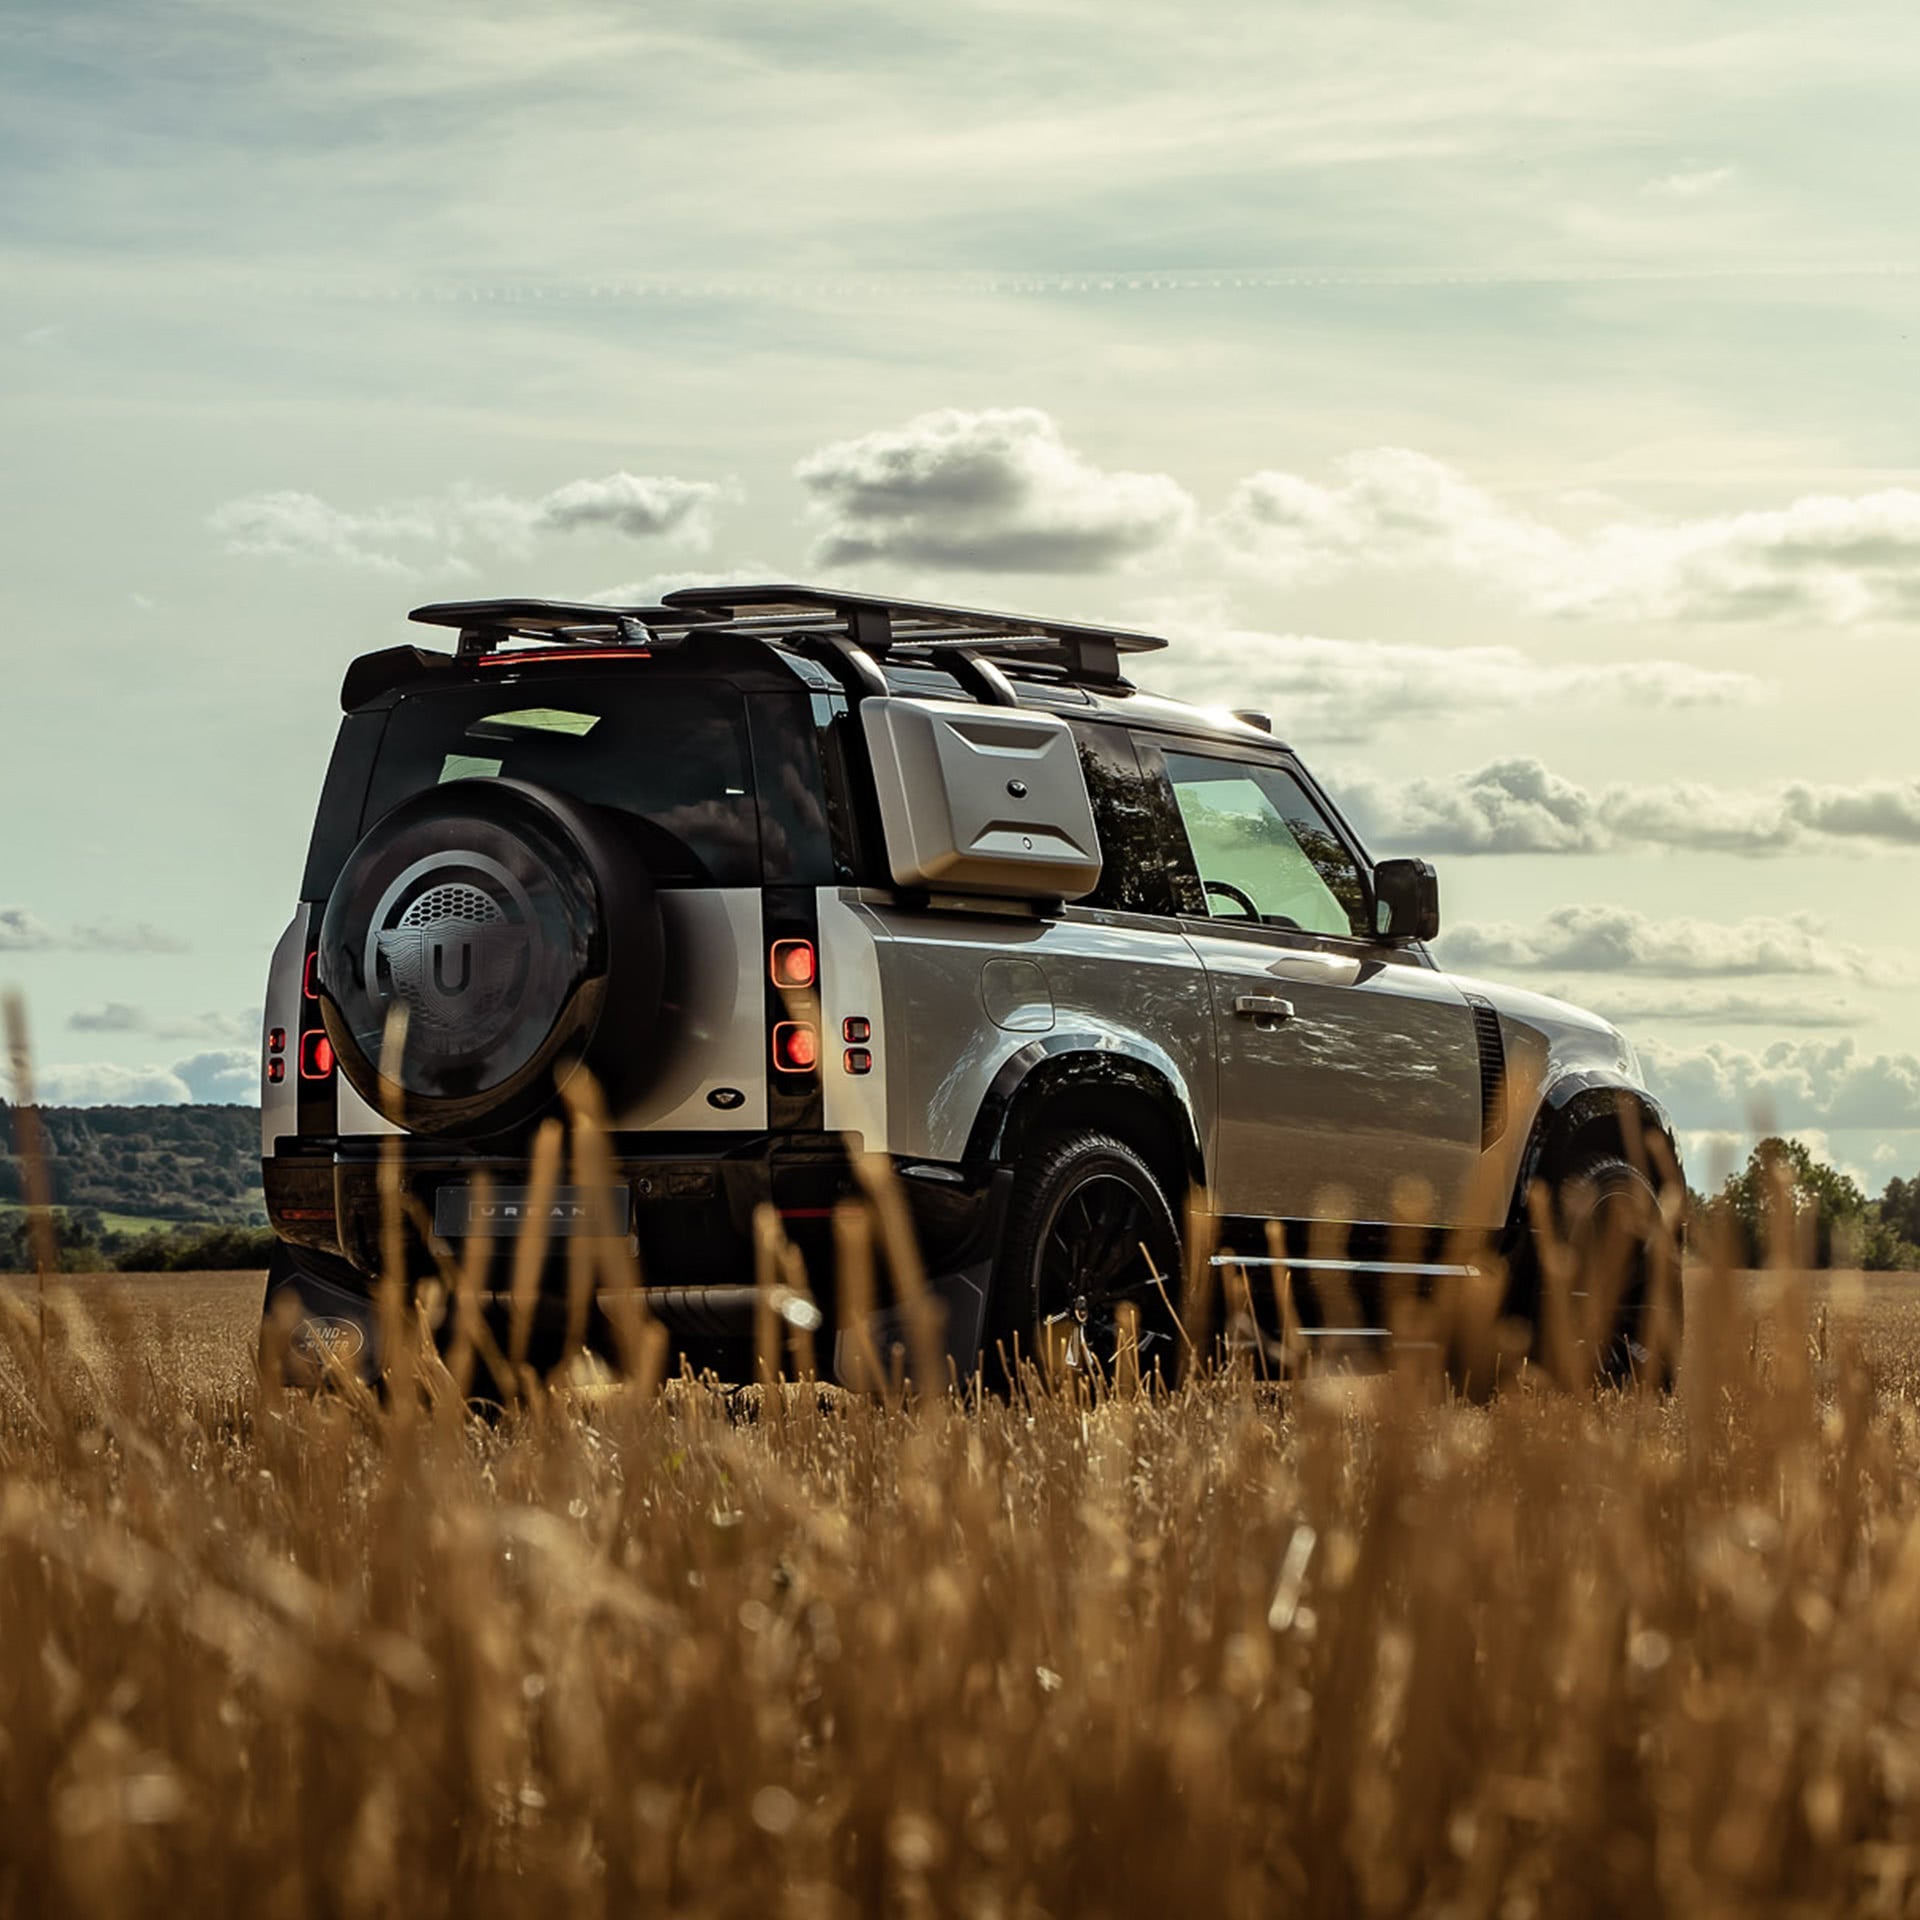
[[276, 1071], [309, 980], [793, 964], [796, 1047], [316, 1056]]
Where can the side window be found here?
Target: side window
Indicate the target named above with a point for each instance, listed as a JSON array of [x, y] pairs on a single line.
[[1140, 838], [1263, 848]]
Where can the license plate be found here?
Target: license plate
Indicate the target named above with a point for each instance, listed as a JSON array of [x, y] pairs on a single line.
[[504, 1213]]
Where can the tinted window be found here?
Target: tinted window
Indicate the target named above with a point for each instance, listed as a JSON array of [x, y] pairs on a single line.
[[1140, 837], [1259, 841], [672, 758]]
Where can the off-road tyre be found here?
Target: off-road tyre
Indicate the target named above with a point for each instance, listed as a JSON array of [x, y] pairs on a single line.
[[1607, 1216], [1083, 1206]]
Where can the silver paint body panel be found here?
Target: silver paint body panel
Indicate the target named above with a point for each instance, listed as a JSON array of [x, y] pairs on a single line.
[[1135, 989], [1372, 1081], [280, 1103]]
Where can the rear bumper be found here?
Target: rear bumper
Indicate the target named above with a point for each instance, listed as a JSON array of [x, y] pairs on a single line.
[[692, 1215]]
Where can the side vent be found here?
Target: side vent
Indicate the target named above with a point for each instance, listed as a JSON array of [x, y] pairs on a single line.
[[1493, 1070]]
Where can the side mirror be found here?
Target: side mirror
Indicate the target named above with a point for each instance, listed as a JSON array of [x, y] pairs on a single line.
[[1406, 900]]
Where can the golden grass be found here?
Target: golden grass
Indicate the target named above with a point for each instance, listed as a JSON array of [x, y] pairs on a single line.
[[1343, 1647]]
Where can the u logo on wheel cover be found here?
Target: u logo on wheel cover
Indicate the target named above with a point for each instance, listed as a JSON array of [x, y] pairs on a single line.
[[451, 949]]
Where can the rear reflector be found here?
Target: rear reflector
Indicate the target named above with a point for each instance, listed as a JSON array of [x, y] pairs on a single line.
[[316, 1056], [858, 1060], [792, 963], [796, 1047]]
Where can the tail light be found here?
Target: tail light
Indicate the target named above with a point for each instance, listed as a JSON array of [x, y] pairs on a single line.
[[796, 1046], [316, 1056], [793, 963]]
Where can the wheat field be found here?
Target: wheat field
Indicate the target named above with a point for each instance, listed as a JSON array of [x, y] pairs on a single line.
[[1342, 1646]]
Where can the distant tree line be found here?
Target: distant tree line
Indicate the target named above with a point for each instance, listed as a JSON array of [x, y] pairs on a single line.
[[84, 1243], [197, 1165], [1825, 1213]]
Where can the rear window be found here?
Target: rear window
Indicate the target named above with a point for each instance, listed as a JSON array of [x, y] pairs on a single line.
[[673, 759]]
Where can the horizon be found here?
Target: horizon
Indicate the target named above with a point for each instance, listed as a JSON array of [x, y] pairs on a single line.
[[1516, 407]]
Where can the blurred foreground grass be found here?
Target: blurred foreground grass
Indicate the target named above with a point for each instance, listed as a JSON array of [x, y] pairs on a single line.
[[1342, 1647]]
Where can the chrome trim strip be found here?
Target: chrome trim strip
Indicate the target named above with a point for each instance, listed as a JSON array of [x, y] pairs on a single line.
[[1418, 1269]]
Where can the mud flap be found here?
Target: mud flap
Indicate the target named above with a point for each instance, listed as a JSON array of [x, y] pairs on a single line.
[[326, 1320], [962, 1286]]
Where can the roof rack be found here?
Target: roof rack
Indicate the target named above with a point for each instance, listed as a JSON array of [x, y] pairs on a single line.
[[881, 626], [812, 618]]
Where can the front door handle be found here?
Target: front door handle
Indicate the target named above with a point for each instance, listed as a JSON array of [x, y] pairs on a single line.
[[1263, 1008]]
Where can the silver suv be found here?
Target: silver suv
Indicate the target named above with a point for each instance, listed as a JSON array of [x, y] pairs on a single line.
[[796, 875]]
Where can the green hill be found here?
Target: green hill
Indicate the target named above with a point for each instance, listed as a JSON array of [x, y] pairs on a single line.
[[197, 1164]]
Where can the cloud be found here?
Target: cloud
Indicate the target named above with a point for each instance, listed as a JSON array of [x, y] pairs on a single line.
[[101, 1084], [1344, 690], [1632, 1006], [222, 1076], [1791, 1084], [410, 539], [1694, 183], [1837, 558], [638, 506], [23, 932], [117, 1016], [1602, 939], [1519, 806], [994, 491]]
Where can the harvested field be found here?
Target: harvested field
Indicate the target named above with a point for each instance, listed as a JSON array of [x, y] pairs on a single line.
[[1342, 1647]]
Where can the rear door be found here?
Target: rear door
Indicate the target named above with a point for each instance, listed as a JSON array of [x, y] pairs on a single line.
[[1345, 1067]]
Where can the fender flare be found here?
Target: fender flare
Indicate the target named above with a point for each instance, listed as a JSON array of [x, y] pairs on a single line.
[[1084, 1057], [1572, 1103]]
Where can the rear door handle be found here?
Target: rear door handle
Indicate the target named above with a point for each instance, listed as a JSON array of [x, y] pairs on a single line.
[[1263, 1007]]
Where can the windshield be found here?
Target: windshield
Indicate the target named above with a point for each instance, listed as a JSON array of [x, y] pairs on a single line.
[[671, 758]]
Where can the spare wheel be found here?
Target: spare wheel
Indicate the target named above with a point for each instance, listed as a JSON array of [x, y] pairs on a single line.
[[517, 937]]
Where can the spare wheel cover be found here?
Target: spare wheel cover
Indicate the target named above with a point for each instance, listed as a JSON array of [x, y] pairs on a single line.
[[502, 922]]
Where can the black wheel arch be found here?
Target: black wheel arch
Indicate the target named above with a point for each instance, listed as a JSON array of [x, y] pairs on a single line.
[[1068, 1082], [1580, 1117]]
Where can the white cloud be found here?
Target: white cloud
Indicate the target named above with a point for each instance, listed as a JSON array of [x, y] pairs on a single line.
[[24, 932], [1520, 806], [117, 1016], [1690, 183], [221, 1075], [996, 491], [218, 1076], [1334, 690], [1840, 558], [1603, 939], [1629, 1005], [1790, 1084], [408, 539], [101, 1084]]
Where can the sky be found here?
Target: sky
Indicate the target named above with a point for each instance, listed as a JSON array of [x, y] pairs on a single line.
[[1518, 402]]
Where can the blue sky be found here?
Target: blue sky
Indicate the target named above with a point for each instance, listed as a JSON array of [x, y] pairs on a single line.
[[1519, 401]]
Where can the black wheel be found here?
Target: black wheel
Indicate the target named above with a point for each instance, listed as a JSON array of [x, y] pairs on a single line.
[[1088, 1230], [1609, 1219]]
